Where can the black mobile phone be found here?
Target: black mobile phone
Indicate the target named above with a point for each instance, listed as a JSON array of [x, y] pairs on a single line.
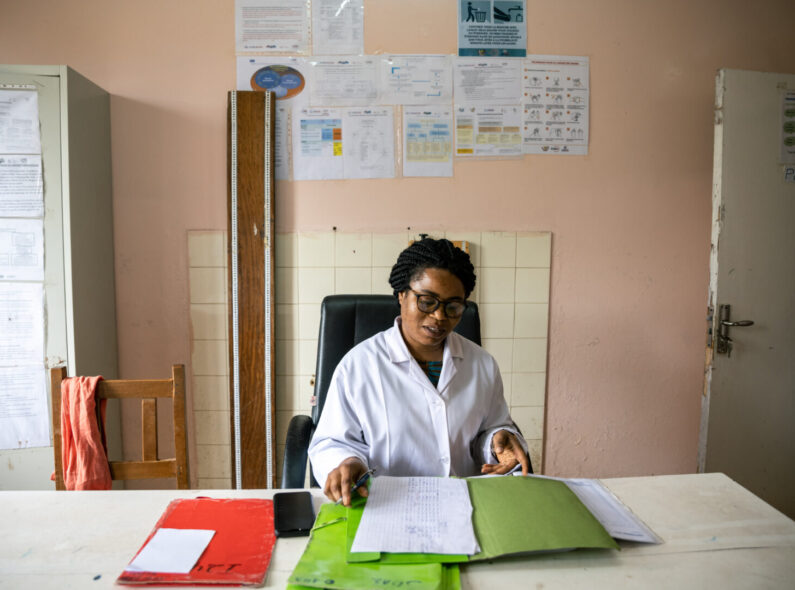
[[293, 514]]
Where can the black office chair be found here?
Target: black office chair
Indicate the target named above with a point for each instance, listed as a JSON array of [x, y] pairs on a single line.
[[346, 320]]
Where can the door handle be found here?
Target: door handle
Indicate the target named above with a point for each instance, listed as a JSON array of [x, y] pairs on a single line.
[[725, 344]]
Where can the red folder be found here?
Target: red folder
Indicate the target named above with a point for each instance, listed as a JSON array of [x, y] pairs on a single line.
[[239, 552]]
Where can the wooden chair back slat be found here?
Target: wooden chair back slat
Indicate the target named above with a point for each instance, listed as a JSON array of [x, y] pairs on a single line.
[[148, 390], [127, 388], [149, 429], [143, 469]]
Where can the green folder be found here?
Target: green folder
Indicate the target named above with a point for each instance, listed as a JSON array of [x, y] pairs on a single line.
[[323, 564], [511, 515]]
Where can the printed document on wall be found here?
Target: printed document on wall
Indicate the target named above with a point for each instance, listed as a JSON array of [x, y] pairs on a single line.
[[22, 318], [317, 144], [281, 153], [337, 27], [21, 186], [19, 122], [369, 150], [272, 26], [344, 81], [488, 131], [417, 79], [24, 418], [285, 76], [491, 81], [492, 28], [22, 249], [556, 100], [428, 141]]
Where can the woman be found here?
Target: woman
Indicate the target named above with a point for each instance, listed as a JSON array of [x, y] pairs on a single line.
[[417, 399]]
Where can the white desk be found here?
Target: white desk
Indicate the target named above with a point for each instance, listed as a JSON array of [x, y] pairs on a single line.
[[717, 535]]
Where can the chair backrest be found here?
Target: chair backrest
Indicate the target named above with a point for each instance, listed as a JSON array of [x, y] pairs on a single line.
[[147, 390], [346, 320]]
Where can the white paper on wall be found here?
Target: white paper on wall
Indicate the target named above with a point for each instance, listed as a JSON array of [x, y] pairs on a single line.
[[369, 149], [317, 144], [21, 186], [272, 26], [21, 249], [555, 102], [337, 27], [428, 141]]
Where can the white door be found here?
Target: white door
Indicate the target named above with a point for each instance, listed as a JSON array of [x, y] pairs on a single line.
[[748, 417]]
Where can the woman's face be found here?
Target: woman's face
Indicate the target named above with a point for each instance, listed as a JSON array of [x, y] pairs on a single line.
[[424, 333]]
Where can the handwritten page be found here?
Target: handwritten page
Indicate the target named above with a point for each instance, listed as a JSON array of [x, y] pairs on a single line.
[[417, 515], [171, 551]]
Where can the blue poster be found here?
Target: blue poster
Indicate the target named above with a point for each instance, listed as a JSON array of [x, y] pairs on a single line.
[[492, 28]]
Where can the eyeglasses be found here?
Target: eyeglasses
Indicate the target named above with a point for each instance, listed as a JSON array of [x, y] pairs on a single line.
[[428, 303]]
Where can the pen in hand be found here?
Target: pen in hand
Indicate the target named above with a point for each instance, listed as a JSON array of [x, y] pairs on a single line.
[[359, 483]]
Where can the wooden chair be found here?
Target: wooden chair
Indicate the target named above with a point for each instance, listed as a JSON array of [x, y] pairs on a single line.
[[148, 390]]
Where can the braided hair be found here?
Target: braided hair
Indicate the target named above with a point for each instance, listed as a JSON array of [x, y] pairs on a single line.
[[430, 253]]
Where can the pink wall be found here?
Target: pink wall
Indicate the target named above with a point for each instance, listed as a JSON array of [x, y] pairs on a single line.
[[630, 221]]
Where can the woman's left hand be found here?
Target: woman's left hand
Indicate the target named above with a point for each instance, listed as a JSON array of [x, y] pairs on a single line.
[[506, 447]]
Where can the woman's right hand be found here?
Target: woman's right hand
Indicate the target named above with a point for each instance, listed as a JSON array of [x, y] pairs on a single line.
[[341, 478]]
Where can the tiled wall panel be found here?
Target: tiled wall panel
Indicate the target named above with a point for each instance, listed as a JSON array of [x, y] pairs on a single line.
[[512, 292]]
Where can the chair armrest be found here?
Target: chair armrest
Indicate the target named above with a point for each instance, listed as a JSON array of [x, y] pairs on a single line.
[[299, 433]]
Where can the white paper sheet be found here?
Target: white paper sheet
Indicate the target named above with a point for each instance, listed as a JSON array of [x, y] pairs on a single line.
[[337, 27], [428, 141], [555, 100], [369, 149], [24, 417], [21, 186], [317, 144], [344, 81], [618, 520], [417, 515], [272, 26], [19, 122], [281, 153], [487, 80], [171, 551], [417, 79], [22, 249], [22, 321], [488, 131]]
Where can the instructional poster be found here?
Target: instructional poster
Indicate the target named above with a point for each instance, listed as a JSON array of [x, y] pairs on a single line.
[[417, 79], [344, 81], [555, 101], [490, 81], [285, 76], [369, 150], [21, 186], [21, 249], [494, 28], [488, 131], [317, 144], [337, 27], [428, 141], [272, 26]]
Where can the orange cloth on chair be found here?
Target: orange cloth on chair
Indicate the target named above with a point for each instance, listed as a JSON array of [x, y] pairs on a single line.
[[84, 449]]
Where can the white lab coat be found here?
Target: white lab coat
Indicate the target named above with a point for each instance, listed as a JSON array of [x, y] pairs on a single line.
[[382, 408]]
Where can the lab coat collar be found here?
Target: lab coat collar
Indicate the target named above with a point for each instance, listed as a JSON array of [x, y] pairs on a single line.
[[399, 353]]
